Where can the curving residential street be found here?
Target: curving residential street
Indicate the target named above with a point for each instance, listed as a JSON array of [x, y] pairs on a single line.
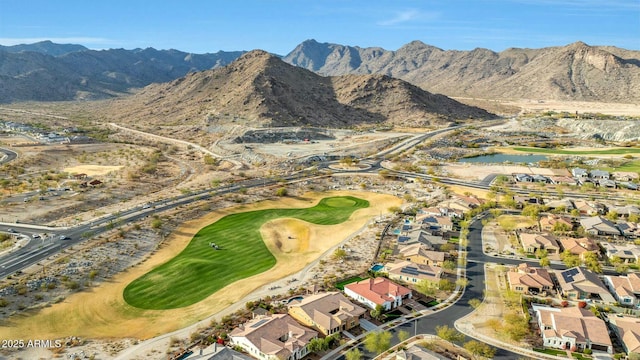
[[448, 316]]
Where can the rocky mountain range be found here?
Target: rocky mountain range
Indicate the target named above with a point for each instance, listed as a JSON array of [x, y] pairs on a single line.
[[573, 72], [259, 89], [48, 71], [53, 72]]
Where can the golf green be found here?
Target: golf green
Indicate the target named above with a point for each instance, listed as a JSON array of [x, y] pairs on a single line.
[[200, 270]]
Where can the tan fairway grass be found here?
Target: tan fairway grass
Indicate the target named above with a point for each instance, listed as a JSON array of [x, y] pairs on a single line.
[[102, 312]]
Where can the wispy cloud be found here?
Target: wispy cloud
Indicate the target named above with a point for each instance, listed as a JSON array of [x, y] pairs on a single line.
[[60, 40], [406, 16]]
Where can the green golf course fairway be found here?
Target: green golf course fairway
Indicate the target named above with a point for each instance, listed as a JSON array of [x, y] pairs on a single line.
[[199, 270]]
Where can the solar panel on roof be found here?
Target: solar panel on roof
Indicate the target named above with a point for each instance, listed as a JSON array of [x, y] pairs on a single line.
[[569, 274], [259, 323], [403, 238], [409, 270]]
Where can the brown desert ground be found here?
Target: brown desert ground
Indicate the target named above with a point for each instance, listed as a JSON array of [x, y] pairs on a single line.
[[102, 313]]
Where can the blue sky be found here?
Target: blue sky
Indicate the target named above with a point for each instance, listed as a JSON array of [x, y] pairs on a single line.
[[279, 25]]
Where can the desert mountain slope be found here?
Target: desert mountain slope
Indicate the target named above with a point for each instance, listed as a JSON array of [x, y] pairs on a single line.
[[573, 72], [262, 90], [89, 74]]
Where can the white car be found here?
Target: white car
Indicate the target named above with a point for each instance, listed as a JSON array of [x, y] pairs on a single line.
[[35, 236], [64, 237]]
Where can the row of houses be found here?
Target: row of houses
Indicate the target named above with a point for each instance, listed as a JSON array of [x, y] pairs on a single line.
[[596, 226], [581, 176], [287, 336], [576, 328]]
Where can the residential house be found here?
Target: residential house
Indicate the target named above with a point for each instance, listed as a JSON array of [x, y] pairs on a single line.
[[626, 289], [427, 212], [572, 328], [378, 291], [579, 246], [522, 201], [523, 177], [329, 313], [274, 337], [452, 213], [625, 175], [628, 253], [607, 183], [628, 331], [526, 279], [419, 236], [541, 179], [598, 225], [566, 204], [420, 254], [412, 273], [626, 210], [599, 175], [469, 201], [455, 205], [417, 352], [533, 242], [579, 283], [586, 208], [216, 351], [437, 223], [628, 229], [565, 180], [579, 173], [548, 223]]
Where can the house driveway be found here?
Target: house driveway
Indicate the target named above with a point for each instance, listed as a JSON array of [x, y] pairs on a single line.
[[367, 325]]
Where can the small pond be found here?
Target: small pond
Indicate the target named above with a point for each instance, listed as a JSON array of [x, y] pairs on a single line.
[[501, 158]]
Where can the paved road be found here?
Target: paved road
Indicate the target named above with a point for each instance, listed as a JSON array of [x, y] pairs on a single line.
[[475, 273], [8, 155]]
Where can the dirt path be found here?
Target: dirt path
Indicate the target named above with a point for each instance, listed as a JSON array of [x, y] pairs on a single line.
[[202, 149]]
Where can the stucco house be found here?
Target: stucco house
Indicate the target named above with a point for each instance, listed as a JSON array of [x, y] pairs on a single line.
[[626, 289], [273, 337], [329, 313], [548, 223], [579, 283], [598, 225], [378, 291], [572, 328], [533, 242], [579, 246], [580, 173], [628, 331], [625, 175], [599, 175], [438, 223], [628, 253], [412, 273], [527, 279], [421, 254]]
